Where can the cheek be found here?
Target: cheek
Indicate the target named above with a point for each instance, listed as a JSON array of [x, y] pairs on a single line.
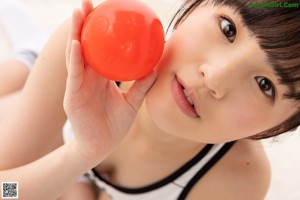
[[247, 119], [158, 102]]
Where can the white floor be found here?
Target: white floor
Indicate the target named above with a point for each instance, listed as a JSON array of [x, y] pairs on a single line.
[[284, 152]]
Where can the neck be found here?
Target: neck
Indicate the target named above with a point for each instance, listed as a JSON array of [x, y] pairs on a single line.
[[150, 137]]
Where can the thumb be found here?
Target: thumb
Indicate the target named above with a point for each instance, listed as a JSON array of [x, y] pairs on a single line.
[[139, 89]]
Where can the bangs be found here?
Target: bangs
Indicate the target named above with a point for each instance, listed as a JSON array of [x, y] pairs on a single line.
[[277, 30], [278, 34]]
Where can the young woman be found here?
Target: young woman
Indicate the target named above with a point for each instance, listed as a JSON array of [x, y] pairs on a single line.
[[224, 76], [225, 79]]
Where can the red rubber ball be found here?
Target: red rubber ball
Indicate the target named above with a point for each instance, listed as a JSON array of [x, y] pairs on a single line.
[[122, 39]]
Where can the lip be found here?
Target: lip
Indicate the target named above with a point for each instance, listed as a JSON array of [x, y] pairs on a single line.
[[181, 100]]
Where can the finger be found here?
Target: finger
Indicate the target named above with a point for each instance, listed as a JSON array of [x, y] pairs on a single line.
[[87, 7], [139, 89], [76, 67], [75, 31], [77, 23]]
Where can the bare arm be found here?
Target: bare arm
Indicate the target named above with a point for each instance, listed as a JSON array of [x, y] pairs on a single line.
[[31, 131], [13, 74], [48, 177], [40, 114], [34, 124]]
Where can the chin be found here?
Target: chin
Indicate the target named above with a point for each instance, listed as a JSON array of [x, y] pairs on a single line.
[[160, 107]]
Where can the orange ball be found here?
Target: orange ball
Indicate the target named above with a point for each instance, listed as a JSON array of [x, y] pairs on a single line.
[[122, 39]]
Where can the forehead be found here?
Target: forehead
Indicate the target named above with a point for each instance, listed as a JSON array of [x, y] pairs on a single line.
[[192, 6]]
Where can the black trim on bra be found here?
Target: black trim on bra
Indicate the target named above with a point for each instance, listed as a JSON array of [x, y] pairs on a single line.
[[165, 180], [204, 170]]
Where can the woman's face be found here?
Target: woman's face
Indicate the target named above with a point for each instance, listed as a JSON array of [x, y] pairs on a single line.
[[214, 83]]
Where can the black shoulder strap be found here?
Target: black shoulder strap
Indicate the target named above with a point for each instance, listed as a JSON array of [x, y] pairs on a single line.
[[204, 170], [170, 178]]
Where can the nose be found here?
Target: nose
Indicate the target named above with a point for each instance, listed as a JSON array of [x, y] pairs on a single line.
[[218, 79]]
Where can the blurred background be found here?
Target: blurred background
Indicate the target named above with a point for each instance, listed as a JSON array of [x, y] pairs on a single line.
[[283, 151]]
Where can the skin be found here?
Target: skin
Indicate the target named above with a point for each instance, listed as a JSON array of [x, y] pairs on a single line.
[[129, 136], [13, 76], [13, 79]]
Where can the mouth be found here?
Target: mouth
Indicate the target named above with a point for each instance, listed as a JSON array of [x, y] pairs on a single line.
[[183, 99]]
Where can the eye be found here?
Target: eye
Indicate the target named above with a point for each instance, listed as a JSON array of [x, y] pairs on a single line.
[[228, 29], [266, 86]]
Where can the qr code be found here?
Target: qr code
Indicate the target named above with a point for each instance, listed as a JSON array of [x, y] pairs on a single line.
[[9, 190]]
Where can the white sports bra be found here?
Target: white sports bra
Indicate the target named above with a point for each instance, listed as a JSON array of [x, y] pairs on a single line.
[[176, 186]]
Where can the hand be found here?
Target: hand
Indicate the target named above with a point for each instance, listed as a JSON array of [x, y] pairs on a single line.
[[99, 113]]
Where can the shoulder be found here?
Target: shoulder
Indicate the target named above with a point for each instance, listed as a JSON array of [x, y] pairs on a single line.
[[243, 173], [249, 167]]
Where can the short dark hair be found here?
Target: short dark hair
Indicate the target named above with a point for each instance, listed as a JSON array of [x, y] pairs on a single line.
[[278, 33]]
